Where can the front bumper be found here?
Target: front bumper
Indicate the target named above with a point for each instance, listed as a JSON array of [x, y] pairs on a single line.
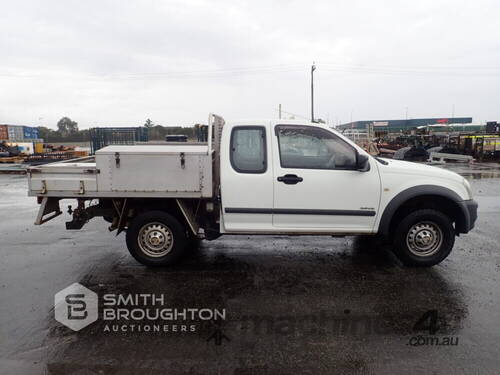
[[469, 216]]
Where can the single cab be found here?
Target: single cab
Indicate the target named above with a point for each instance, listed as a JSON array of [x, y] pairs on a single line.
[[258, 177]]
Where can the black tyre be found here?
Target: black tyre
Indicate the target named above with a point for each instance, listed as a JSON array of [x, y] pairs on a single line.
[[424, 238], [156, 238]]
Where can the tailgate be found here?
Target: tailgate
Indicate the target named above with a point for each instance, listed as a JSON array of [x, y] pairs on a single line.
[[68, 178]]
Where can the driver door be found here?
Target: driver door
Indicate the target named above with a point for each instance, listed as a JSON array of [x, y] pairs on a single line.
[[317, 187]]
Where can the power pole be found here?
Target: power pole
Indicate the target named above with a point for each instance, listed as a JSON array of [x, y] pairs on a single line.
[[313, 68]]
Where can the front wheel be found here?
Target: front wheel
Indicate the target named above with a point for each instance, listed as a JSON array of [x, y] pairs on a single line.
[[424, 238], [156, 238]]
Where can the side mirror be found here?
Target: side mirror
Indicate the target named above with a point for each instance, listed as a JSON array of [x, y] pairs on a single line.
[[362, 162]]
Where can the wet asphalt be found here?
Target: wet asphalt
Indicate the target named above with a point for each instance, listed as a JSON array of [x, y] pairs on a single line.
[[293, 304]]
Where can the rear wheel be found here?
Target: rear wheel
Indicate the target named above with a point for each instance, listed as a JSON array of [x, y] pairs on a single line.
[[424, 238], [156, 239]]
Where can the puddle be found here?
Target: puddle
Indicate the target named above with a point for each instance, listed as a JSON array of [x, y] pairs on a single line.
[[475, 171]]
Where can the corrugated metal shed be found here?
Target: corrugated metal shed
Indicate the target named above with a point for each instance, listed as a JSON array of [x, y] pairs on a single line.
[[404, 124]]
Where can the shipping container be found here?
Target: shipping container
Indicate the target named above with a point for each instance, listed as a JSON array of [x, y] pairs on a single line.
[[27, 132], [4, 134], [30, 132], [15, 132]]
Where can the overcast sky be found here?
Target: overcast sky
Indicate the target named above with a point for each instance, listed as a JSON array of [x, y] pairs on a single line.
[[116, 63]]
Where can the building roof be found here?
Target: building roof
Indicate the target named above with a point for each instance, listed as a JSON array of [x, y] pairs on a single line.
[[409, 123]]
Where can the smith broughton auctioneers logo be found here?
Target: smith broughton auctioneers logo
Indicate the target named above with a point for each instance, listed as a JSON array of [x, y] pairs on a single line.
[[77, 306]]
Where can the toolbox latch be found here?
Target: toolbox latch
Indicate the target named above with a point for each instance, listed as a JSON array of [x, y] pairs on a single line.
[[183, 161], [117, 159], [82, 188]]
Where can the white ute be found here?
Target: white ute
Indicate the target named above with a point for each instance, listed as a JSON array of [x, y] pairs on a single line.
[[258, 177]]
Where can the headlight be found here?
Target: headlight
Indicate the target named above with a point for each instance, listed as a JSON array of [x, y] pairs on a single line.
[[467, 187]]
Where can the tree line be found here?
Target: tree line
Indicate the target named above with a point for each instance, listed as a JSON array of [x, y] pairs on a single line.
[[67, 131]]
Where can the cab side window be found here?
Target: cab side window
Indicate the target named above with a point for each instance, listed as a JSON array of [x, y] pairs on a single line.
[[308, 147], [248, 149]]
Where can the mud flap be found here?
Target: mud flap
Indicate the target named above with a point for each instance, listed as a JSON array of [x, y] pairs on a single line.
[[189, 216]]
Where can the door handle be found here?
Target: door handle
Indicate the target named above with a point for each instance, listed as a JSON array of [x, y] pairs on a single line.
[[290, 179]]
